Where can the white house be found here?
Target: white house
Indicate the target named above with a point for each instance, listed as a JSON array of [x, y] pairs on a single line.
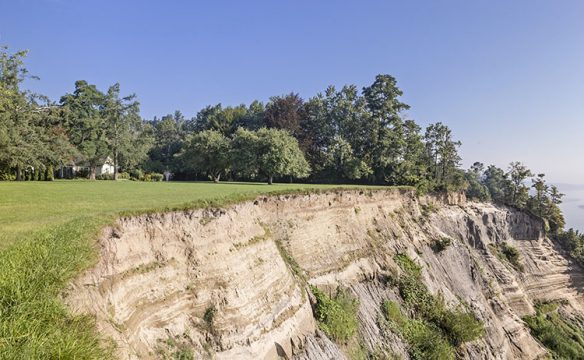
[[106, 168]]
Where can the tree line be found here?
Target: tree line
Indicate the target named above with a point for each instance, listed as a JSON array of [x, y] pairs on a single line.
[[346, 135]]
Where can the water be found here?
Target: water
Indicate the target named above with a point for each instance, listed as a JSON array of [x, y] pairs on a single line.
[[573, 205]]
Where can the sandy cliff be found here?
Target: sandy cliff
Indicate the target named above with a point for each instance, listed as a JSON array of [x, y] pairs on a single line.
[[226, 283]]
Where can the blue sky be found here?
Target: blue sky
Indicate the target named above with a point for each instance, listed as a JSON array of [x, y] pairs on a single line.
[[507, 75]]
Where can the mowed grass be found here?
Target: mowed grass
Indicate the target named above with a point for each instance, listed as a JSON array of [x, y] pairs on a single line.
[[26, 207], [47, 233]]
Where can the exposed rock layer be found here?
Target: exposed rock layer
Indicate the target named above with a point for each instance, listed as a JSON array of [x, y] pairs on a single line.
[[222, 282]]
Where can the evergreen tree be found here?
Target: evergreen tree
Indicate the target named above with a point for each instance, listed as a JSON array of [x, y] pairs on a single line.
[[122, 126]]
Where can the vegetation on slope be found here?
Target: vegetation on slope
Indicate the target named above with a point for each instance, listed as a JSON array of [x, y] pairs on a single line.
[[508, 253], [336, 315], [431, 329], [562, 336], [573, 242]]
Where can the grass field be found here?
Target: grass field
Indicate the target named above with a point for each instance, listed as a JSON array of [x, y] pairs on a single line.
[[26, 207], [46, 238]]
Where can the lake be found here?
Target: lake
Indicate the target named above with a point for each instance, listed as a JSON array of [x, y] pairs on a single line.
[[573, 205]]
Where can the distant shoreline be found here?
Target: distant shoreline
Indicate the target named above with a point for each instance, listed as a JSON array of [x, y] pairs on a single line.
[[573, 205]]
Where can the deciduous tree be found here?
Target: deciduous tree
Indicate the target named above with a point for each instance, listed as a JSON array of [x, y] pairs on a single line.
[[207, 152]]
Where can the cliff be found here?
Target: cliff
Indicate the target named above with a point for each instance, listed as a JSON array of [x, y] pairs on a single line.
[[233, 283]]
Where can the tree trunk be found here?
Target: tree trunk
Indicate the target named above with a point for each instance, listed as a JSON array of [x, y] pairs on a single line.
[[92, 172], [115, 165], [270, 179], [18, 173], [216, 178]]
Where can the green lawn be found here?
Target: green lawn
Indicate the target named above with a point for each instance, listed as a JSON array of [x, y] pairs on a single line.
[[47, 232], [26, 207]]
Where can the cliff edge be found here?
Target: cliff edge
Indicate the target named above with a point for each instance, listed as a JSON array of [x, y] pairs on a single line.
[[235, 283]]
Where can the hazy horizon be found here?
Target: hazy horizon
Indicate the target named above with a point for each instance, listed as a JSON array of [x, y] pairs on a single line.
[[573, 205]]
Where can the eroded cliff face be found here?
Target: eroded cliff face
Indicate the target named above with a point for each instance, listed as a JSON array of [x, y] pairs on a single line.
[[232, 283]]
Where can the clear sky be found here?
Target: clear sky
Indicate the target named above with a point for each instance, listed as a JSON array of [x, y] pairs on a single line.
[[506, 75]]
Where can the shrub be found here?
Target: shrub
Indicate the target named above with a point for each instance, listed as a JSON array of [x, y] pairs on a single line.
[[337, 316], [426, 342], [563, 337], [42, 173], [137, 174], [82, 173], [573, 242], [441, 244], [50, 173], [7, 176], [428, 209], [460, 326], [509, 253], [432, 322], [105, 177], [417, 297], [209, 316], [124, 176], [407, 265], [393, 313], [424, 339], [157, 177]]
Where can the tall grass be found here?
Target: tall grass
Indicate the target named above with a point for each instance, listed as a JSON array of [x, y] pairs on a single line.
[[34, 323]]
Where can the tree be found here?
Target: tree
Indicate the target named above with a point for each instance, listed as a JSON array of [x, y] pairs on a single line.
[[517, 192], [442, 154], [85, 125], [141, 140], [285, 112], [496, 181], [254, 118], [123, 125], [545, 201], [207, 152], [317, 130], [20, 133], [411, 169], [342, 162], [269, 152], [384, 125], [279, 155], [168, 136], [475, 178], [541, 190], [244, 153], [224, 120]]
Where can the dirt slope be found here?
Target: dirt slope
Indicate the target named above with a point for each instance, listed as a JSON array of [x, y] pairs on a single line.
[[223, 283]]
